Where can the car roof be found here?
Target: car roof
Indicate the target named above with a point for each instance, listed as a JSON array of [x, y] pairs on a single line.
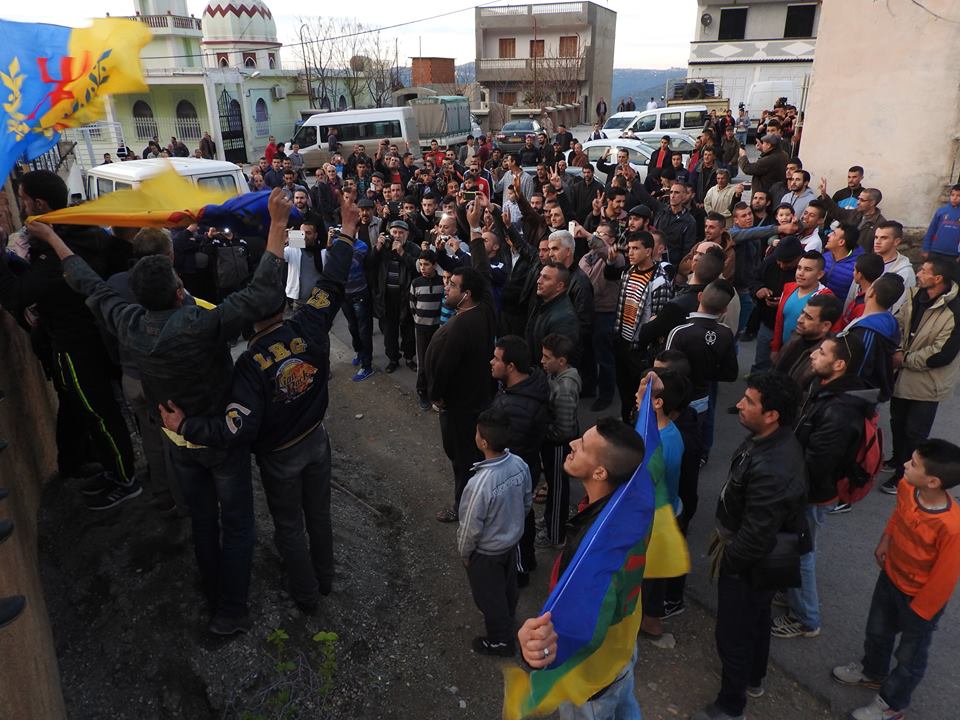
[[136, 170], [626, 113]]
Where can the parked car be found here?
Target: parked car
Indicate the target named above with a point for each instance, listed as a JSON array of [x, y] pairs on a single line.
[[618, 122], [512, 135], [638, 154], [681, 118], [206, 174], [679, 142]]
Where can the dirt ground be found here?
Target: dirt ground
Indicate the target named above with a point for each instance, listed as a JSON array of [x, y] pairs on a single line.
[[130, 628]]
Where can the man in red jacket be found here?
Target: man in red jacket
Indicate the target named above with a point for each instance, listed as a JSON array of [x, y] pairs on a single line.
[[795, 296]]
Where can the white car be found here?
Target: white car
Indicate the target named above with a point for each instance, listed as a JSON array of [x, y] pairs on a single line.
[[679, 142], [638, 154]]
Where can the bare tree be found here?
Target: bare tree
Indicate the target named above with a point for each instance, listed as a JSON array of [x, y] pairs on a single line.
[[318, 53], [378, 71]]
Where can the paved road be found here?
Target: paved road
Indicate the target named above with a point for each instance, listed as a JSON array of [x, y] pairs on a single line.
[[846, 571]]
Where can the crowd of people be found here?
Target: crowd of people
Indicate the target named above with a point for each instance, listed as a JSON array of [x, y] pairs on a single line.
[[514, 295]]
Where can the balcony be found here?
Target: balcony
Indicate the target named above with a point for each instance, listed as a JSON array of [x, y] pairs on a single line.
[[753, 51], [549, 15], [170, 24], [505, 70]]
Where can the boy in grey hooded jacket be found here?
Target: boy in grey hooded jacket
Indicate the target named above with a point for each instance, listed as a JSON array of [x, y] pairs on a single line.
[[492, 510]]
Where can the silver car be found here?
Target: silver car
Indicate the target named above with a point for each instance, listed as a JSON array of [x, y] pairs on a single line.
[[638, 155]]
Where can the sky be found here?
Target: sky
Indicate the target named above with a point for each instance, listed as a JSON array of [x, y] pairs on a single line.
[[650, 33]]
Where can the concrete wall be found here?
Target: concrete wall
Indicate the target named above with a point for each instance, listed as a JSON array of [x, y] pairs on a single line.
[[735, 79], [765, 20], [29, 678], [896, 80]]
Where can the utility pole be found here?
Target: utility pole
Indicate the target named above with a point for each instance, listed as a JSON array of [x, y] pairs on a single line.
[[306, 67]]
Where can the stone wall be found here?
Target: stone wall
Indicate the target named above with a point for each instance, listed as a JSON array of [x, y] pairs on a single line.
[[29, 678]]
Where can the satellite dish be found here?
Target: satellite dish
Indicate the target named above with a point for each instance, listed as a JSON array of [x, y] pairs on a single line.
[[706, 19]]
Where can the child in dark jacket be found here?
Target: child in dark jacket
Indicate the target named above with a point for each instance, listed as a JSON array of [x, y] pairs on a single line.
[[564, 427], [426, 300]]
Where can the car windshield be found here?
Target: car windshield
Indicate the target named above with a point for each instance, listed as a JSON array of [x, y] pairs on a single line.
[[618, 123], [518, 126]]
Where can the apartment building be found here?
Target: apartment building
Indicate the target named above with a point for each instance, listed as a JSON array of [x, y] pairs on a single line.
[[540, 55], [740, 42]]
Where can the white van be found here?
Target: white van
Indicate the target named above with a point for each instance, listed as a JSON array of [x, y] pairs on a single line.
[[763, 95], [618, 122], [207, 174], [367, 127], [680, 118]]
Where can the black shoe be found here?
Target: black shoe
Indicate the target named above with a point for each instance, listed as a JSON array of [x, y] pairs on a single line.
[[307, 607], [391, 367], [224, 626], [325, 586], [6, 529], [100, 483], [672, 608], [601, 403], [412, 364], [890, 486], [483, 646], [10, 608], [423, 403], [114, 496]]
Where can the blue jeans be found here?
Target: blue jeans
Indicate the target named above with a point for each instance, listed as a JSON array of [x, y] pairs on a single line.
[[741, 136], [761, 358], [890, 614], [746, 308], [804, 601], [357, 311], [618, 701], [217, 488], [603, 353], [296, 482]]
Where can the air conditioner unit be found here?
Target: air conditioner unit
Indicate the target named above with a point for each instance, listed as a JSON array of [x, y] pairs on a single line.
[[277, 92]]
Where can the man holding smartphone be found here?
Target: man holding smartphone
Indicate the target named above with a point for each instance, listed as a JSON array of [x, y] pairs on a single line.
[[777, 269]]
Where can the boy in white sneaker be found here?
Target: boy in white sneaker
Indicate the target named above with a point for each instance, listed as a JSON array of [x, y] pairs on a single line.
[[492, 510], [919, 556]]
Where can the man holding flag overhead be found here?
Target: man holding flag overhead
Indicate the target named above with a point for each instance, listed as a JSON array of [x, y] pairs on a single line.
[[583, 646]]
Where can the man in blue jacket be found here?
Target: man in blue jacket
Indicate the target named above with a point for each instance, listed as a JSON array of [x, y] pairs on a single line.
[[943, 235]]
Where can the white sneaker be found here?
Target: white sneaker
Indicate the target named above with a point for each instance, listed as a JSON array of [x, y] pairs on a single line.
[[877, 710], [852, 674]]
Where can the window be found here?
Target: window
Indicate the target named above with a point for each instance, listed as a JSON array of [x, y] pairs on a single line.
[[507, 98], [218, 183], [143, 120], [508, 47], [733, 24], [306, 136], [596, 152], [670, 121], [799, 21], [646, 123], [261, 118], [223, 60], [104, 186], [188, 126], [569, 46], [234, 117], [342, 103], [249, 59], [536, 48], [272, 60], [695, 119], [324, 103]]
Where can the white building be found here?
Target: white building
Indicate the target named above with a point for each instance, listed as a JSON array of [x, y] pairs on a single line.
[[740, 42], [896, 74]]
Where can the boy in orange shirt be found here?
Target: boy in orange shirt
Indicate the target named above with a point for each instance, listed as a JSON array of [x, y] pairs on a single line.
[[919, 554]]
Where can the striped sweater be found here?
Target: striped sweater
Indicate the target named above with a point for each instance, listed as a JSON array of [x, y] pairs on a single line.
[[426, 298]]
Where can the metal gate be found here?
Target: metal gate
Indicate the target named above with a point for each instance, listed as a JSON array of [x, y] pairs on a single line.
[[231, 128]]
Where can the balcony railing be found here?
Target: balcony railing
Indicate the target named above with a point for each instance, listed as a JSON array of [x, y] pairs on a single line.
[[545, 9], [523, 69], [169, 22]]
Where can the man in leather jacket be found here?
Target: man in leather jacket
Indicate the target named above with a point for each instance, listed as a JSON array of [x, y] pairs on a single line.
[[761, 503]]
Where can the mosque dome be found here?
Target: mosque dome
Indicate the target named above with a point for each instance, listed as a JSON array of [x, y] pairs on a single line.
[[239, 21]]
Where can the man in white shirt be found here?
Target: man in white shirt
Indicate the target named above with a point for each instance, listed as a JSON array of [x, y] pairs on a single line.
[[886, 241], [652, 105], [811, 223]]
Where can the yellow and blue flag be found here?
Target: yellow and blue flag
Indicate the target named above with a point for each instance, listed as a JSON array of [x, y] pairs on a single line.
[[56, 77], [595, 605], [170, 200]]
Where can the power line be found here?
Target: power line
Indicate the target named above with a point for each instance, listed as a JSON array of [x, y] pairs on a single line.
[[338, 37]]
